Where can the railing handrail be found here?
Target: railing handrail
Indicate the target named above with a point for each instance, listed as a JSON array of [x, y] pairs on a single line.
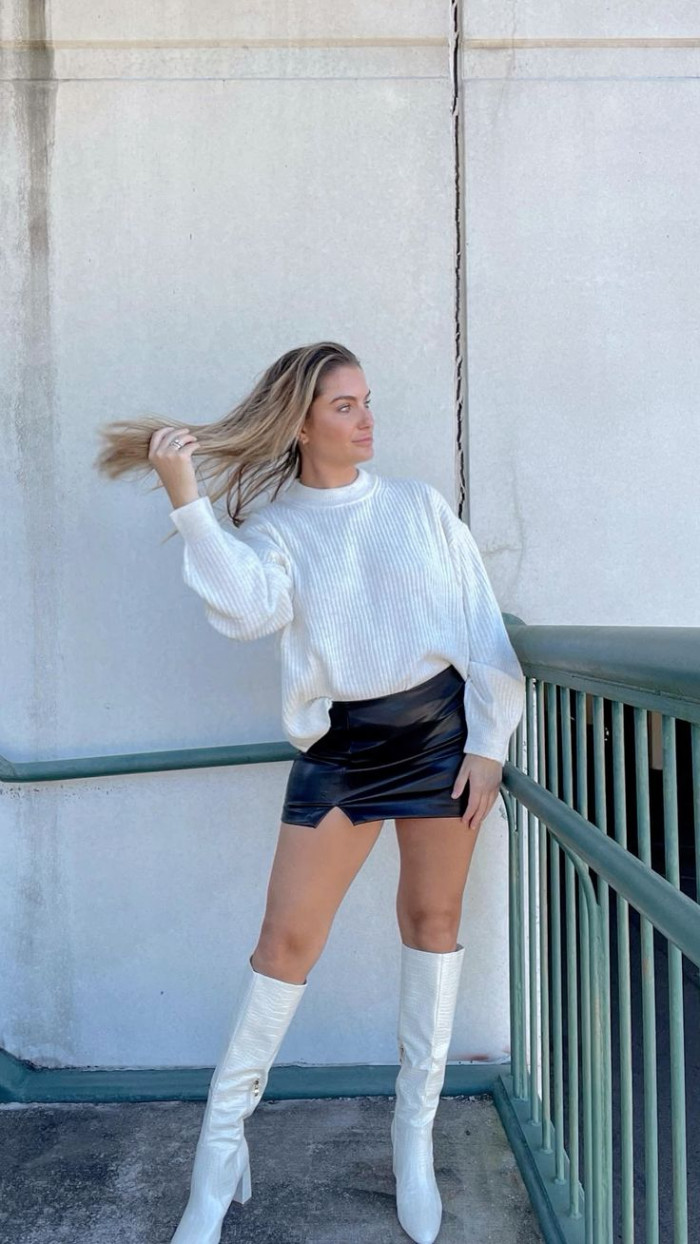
[[655, 667], [675, 915], [144, 762]]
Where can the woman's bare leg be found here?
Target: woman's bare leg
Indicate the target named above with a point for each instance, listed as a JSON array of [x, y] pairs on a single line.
[[312, 870], [436, 853]]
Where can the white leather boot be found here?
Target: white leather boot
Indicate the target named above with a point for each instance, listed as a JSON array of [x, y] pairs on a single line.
[[221, 1170], [428, 998]]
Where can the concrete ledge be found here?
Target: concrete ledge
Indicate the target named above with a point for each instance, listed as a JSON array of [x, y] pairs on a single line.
[[23, 1082]]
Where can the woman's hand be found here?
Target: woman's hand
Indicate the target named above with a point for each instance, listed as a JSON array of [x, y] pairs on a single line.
[[484, 776], [173, 465]]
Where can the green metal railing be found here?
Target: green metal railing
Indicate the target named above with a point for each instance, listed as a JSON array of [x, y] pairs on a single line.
[[569, 867]]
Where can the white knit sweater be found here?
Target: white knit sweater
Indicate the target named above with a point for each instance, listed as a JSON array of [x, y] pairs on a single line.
[[375, 586]]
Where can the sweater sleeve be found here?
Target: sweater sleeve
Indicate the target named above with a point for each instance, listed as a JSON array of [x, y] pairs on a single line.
[[245, 580], [494, 692]]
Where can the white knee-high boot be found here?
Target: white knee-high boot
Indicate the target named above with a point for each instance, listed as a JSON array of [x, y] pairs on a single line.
[[221, 1169], [428, 998]]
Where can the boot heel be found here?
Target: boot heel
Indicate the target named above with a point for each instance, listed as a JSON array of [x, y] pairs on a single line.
[[243, 1189]]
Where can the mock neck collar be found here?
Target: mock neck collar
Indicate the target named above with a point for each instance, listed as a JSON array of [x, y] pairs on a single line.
[[303, 494]]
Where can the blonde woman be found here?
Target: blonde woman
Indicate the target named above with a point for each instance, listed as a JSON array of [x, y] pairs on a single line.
[[400, 690]]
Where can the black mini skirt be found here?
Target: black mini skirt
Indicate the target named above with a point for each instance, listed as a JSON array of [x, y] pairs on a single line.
[[385, 757]]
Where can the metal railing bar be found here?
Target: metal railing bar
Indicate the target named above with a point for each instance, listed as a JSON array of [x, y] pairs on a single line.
[[586, 1057], [624, 988], [599, 1212], [552, 776], [671, 911], [516, 942], [571, 971], [542, 841], [675, 994], [144, 762], [651, 1121], [601, 820], [586, 1016], [533, 914], [600, 1089]]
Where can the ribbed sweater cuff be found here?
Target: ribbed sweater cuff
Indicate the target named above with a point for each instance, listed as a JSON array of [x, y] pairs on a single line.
[[494, 702], [196, 519]]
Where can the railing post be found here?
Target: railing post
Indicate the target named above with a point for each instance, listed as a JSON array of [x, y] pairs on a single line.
[[675, 994], [516, 946]]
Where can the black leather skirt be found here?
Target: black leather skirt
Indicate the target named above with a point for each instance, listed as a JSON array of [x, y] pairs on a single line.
[[385, 757]]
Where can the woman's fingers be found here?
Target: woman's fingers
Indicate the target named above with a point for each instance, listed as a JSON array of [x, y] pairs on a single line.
[[158, 436], [473, 806], [162, 440], [186, 442], [478, 817], [479, 805], [161, 447], [173, 463]]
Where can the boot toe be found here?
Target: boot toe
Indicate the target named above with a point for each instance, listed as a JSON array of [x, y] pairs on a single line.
[[420, 1216]]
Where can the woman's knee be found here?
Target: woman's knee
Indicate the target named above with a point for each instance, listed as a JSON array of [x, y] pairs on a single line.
[[284, 948], [426, 928]]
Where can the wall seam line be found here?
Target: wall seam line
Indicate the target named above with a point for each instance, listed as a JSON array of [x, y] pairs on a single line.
[[461, 463]]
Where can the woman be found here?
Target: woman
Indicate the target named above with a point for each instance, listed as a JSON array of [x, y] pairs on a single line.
[[393, 652]]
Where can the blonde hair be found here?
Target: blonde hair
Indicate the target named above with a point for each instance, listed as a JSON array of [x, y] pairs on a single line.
[[252, 448]]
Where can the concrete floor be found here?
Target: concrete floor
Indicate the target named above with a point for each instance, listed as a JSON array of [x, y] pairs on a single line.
[[321, 1174]]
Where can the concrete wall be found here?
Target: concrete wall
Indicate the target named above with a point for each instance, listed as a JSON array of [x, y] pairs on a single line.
[[188, 192], [583, 201]]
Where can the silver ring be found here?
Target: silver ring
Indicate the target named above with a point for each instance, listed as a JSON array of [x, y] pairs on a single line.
[[177, 443]]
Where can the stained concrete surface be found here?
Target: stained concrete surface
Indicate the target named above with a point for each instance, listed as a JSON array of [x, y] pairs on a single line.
[[321, 1174]]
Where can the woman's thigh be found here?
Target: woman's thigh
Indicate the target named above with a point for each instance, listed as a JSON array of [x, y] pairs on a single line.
[[435, 855], [312, 870]]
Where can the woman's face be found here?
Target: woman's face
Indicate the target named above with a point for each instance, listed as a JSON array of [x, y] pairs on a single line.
[[338, 429]]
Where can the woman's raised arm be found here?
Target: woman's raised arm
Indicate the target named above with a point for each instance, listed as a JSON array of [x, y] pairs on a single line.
[[245, 580]]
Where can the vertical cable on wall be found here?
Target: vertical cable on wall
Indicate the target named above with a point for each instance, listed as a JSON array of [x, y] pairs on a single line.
[[460, 398]]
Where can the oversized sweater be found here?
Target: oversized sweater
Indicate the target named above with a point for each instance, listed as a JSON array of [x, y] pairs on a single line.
[[373, 586]]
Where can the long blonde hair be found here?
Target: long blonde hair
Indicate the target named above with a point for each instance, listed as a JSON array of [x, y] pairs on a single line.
[[252, 448]]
